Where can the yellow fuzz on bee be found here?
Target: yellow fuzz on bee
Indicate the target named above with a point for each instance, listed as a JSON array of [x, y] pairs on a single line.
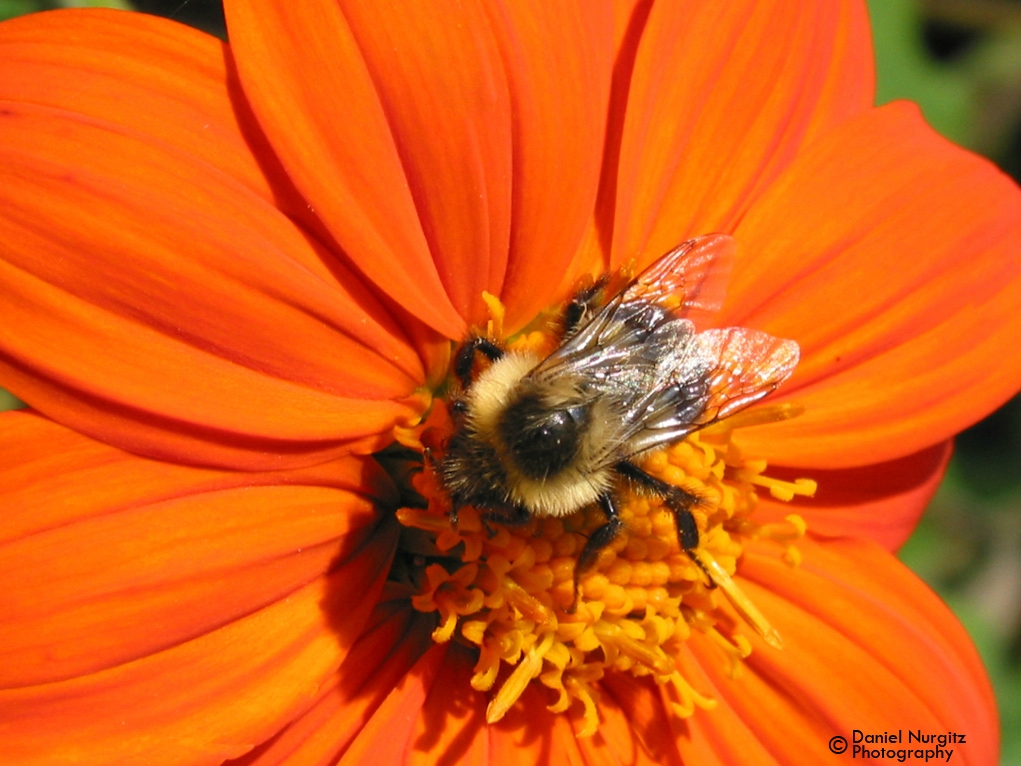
[[510, 591]]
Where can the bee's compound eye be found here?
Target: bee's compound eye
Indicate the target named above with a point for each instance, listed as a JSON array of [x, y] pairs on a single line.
[[543, 440]]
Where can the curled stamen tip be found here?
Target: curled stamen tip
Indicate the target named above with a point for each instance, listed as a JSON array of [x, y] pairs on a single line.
[[797, 522]]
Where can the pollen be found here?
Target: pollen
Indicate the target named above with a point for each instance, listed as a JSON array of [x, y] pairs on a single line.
[[513, 593]]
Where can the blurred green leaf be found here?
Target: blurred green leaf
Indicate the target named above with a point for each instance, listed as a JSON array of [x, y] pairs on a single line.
[[904, 70], [1004, 675], [122, 5], [11, 8], [9, 401]]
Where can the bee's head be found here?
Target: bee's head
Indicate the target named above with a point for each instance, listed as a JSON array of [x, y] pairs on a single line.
[[527, 441], [544, 434]]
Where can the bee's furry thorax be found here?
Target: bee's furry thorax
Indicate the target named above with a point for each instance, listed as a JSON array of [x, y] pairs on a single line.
[[505, 455]]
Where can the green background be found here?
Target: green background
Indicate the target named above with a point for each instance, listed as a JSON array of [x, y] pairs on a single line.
[[961, 61]]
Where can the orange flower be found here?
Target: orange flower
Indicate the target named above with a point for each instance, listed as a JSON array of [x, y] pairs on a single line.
[[229, 273]]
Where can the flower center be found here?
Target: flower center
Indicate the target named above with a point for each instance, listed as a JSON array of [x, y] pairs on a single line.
[[516, 594]]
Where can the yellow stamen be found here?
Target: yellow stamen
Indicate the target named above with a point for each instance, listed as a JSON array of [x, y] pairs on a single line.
[[760, 416], [689, 698], [516, 683], [781, 490], [740, 601], [530, 607], [494, 329], [735, 648], [584, 693], [615, 640]]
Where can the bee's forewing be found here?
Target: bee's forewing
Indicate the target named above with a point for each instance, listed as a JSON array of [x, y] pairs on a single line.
[[694, 276]]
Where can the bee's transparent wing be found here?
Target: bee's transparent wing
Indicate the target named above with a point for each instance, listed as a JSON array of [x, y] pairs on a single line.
[[641, 352], [689, 282], [718, 373], [751, 364], [691, 279], [623, 336]]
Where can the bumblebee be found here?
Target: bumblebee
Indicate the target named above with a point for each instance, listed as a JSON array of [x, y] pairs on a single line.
[[537, 437]]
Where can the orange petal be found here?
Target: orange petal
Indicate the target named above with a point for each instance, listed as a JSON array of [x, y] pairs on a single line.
[[881, 502], [635, 724], [450, 150], [531, 734], [720, 100], [158, 614], [433, 715], [395, 638], [160, 300], [87, 62], [386, 737], [312, 90], [452, 724], [441, 84], [891, 257], [558, 58], [867, 646]]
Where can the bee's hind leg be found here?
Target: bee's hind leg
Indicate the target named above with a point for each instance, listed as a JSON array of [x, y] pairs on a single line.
[[679, 502]]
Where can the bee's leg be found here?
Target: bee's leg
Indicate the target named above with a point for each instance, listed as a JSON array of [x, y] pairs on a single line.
[[599, 539], [582, 304], [465, 358], [602, 537], [679, 502], [517, 516]]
